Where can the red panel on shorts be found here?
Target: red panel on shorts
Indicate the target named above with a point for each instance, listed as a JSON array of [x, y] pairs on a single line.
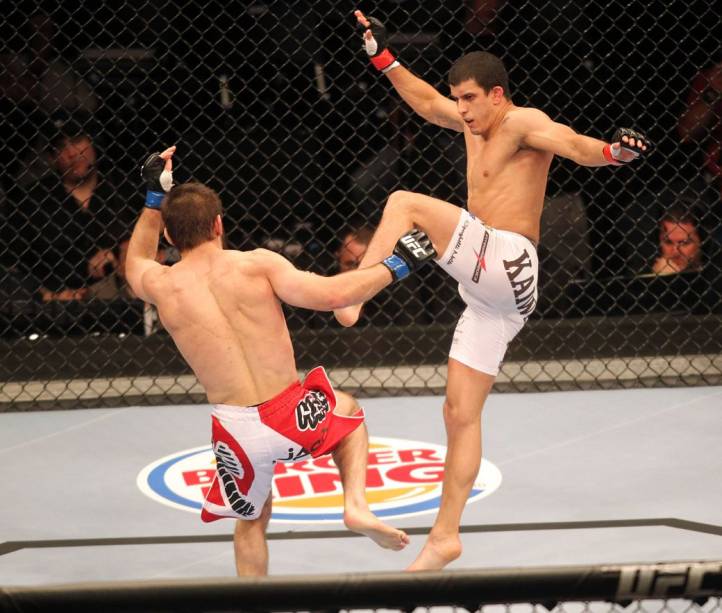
[[238, 473], [303, 413]]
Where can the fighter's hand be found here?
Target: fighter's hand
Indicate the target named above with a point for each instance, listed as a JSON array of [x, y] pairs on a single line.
[[412, 251], [627, 145], [102, 263], [157, 172], [375, 42]]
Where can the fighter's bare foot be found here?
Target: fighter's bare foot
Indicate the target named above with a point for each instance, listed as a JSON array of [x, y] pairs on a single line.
[[437, 553], [366, 523]]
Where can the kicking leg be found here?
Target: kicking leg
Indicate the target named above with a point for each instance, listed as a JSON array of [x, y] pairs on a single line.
[[351, 457], [249, 544], [404, 211], [467, 390]]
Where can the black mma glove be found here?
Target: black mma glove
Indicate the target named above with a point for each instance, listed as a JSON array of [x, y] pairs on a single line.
[[412, 250], [157, 180], [376, 47], [613, 153]]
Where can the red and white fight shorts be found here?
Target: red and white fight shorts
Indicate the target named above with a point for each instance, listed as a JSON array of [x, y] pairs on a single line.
[[248, 441], [497, 271]]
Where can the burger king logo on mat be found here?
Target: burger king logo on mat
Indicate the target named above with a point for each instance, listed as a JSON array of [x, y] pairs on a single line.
[[403, 478]]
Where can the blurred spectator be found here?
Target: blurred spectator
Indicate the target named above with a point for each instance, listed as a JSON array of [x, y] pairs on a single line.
[[113, 285], [36, 84], [680, 243], [352, 248], [415, 155], [398, 305], [479, 17], [66, 226], [701, 121]]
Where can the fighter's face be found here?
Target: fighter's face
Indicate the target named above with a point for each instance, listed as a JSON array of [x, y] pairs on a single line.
[[350, 254], [679, 244], [475, 105], [76, 158]]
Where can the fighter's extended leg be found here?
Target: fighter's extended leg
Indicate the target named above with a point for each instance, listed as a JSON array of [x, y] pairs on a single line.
[[467, 390], [404, 211], [351, 457], [249, 544]]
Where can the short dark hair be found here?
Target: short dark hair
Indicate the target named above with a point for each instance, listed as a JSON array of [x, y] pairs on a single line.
[[680, 214], [67, 132], [189, 211], [361, 234], [485, 68]]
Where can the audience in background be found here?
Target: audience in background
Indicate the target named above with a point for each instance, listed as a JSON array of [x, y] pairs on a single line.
[[314, 151], [680, 243], [353, 247], [66, 227], [383, 309], [701, 121], [37, 85]]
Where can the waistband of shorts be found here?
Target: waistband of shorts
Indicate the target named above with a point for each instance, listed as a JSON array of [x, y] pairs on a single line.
[[512, 233], [293, 393], [507, 232]]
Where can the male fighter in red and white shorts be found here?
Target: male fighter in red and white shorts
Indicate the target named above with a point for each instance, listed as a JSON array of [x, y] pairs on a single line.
[[223, 310]]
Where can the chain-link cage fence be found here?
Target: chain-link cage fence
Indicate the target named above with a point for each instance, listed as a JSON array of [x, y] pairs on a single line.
[[275, 106]]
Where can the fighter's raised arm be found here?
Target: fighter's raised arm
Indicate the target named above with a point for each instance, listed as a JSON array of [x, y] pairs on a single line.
[[141, 265], [419, 95], [538, 131]]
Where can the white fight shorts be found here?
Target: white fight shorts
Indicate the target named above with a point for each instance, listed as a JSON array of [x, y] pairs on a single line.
[[248, 441], [497, 273]]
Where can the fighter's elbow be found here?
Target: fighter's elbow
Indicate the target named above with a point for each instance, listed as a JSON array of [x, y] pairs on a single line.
[[338, 299]]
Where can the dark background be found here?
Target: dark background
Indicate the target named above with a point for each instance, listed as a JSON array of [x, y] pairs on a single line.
[[299, 165]]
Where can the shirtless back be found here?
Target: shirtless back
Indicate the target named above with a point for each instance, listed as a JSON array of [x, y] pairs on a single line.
[[223, 307], [222, 312]]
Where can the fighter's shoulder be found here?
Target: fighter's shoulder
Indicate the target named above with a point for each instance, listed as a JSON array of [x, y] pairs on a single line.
[[525, 118], [261, 261]]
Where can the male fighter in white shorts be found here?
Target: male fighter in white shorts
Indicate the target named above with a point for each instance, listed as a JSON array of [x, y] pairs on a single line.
[[223, 310], [489, 249]]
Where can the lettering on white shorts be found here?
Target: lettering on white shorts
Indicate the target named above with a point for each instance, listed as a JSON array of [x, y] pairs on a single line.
[[459, 240], [522, 283]]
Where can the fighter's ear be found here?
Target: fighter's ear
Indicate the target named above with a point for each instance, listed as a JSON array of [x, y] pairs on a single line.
[[497, 93], [218, 226], [167, 237]]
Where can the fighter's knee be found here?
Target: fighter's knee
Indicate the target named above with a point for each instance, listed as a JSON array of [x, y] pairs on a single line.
[[400, 199], [346, 404], [457, 415]]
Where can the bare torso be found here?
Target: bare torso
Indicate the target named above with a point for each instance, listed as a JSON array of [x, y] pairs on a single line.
[[506, 183], [229, 325]]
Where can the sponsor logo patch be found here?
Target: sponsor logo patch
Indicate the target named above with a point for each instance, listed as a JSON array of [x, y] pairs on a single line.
[[480, 261], [403, 479]]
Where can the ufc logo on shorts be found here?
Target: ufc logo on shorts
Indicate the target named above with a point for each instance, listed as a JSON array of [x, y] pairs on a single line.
[[413, 246], [311, 411]]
